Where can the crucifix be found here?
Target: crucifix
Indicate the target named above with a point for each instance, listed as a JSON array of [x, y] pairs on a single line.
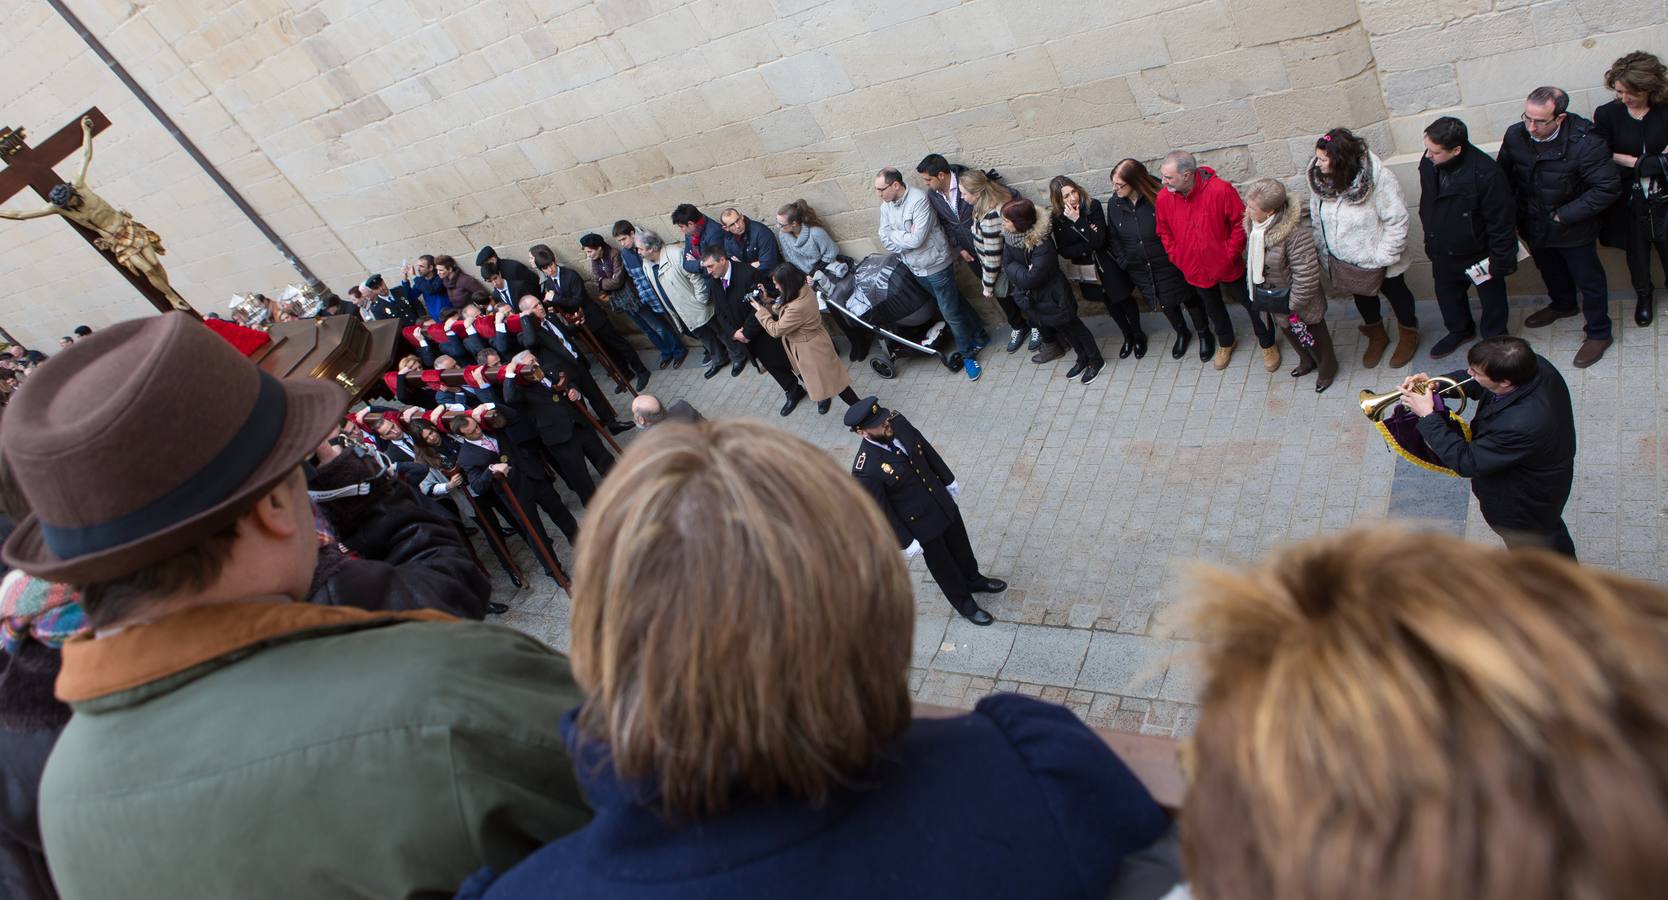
[[126, 244]]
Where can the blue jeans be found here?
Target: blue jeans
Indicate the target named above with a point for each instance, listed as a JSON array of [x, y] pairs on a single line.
[[659, 334], [962, 318]]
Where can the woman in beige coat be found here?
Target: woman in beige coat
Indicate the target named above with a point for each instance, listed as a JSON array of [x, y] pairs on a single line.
[[1283, 272], [794, 319]]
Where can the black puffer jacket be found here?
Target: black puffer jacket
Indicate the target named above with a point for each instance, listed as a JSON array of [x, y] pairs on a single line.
[[408, 556], [1032, 264], [1467, 211], [1133, 242], [1088, 241], [1571, 177], [30, 720]]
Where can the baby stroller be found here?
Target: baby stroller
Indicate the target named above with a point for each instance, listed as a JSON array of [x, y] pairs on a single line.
[[887, 313]]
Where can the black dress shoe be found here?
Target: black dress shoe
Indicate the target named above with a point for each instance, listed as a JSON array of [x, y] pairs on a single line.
[[618, 426], [1126, 349], [712, 370], [517, 581], [823, 405], [642, 380], [1644, 311], [979, 617], [1141, 345], [736, 369], [988, 586], [1179, 348], [497, 609], [1207, 345], [792, 402], [619, 388]]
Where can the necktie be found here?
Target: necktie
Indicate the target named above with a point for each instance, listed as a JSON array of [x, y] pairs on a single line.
[[504, 294], [558, 332]]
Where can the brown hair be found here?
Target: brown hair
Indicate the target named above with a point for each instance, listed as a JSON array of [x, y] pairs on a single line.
[[987, 192], [1640, 72], [1438, 719], [800, 213], [1057, 203], [741, 619], [1134, 174], [1347, 154], [1021, 212], [446, 261]]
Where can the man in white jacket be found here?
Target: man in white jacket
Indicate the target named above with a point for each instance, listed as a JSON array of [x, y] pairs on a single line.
[[909, 228]]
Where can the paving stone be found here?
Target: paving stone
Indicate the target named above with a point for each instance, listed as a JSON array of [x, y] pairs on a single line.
[[972, 650], [1046, 655]]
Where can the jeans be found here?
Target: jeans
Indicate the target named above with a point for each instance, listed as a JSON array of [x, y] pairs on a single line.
[[958, 314], [1448, 272], [1401, 303], [1564, 269], [658, 333]]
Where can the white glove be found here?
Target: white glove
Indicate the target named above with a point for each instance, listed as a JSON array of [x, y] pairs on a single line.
[[954, 489], [913, 550]]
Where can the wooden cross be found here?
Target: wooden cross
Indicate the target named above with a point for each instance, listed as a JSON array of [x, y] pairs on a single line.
[[31, 167]]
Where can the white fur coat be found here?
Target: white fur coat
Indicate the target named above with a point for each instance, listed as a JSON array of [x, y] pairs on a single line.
[[1365, 225]]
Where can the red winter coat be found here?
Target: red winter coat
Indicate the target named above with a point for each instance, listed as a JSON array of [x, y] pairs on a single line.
[[1203, 232]]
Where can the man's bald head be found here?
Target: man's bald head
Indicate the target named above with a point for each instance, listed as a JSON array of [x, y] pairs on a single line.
[[647, 411]]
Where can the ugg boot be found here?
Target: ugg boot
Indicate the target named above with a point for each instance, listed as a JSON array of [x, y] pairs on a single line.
[[1271, 357], [1407, 346], [1377, 340]]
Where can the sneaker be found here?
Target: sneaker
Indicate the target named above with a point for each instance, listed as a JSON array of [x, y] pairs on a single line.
[[1451, 342], [1036, 339], [1016, 340], [1075, 370], [971, 367], [1090, 374]]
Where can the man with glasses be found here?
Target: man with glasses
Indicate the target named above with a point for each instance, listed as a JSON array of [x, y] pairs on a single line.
[[909, 228], [1564, 179]]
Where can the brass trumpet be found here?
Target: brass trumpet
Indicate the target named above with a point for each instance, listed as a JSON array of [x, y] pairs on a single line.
[[1377, 406]]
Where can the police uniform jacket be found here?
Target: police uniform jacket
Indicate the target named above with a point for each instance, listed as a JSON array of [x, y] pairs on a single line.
[[911, 486]]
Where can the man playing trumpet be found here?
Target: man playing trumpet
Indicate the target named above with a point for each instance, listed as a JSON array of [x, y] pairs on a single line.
[[1521, 456]]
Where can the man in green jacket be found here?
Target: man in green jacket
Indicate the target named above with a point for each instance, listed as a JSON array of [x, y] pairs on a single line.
[[229, 740]]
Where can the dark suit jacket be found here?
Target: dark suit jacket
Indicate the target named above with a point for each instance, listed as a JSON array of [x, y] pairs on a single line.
[[523, 281], [475, 460], [956, 218], [553, 357], [555, 420], [1521, 456], [571, 296], [733, 312], [913, 488]]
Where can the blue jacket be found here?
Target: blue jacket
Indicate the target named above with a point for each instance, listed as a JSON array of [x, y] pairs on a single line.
[[711, 233], [756, 244], [432, 290], [1018, 799]]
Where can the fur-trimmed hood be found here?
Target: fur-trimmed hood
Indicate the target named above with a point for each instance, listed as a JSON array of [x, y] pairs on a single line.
[[1285, 222], [1358, 190], [1031, 238]]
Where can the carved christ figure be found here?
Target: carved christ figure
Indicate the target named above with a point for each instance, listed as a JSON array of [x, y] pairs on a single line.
[[134, 246]]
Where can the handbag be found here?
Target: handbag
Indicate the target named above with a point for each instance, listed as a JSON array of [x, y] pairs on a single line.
[[1348, 277], [1275, 301]]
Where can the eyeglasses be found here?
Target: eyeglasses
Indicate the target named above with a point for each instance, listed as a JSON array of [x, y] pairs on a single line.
[[1539, 122]]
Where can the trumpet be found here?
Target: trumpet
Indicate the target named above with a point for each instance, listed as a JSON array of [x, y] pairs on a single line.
[[1378, 406]]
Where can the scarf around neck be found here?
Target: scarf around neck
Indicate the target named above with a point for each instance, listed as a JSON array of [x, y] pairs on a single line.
[[30, 607]]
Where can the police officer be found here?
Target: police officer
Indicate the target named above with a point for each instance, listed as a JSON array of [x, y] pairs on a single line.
[[917, 491]]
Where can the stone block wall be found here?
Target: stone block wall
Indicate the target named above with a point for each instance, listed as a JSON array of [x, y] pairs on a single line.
[[368, 133]]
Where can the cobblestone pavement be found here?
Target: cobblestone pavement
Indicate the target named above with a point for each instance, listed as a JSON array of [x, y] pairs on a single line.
[[1094, 501]]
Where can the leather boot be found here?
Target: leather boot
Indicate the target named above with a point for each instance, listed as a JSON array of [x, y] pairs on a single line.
[[1377, 340], [1645, 310], [1326, 360], [1305, 360], [1407, 346]]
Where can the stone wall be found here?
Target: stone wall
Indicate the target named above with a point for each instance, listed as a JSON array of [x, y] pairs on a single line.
[[368, 133]]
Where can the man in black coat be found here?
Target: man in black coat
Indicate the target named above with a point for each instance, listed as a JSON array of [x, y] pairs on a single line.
[[731, 286], [1470, 223], [557, 351], [917, 492], [942, 181], [517, 276], [1521, 456], [483, 457], [1565, 179], [564, 433], [564, 290]]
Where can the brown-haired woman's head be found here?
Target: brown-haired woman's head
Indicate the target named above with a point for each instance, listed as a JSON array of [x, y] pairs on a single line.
[[1131, 179], [1058, 189], [1340, 156], [1641, 74], [983, 191], [1412, 717], [796, 215], [1020, 213], [741, 619]]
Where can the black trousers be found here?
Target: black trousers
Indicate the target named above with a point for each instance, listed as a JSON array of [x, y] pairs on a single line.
[[1640, 243], [1452, 285], [1012, 312], [616, 346], [1078, 337], [712, 343], [1401, 303], [568, 458], [588, 387], [490, 509], [1519, 531], [951, 561], [1567, 270], [1215, 300], [775, 361], [1121, 308], [1195, 311], [535, 495]]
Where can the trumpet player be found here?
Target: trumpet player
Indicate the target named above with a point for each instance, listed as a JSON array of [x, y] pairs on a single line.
[[1521, 456]]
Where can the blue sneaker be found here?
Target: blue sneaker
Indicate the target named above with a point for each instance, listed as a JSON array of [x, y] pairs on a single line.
[[971, 367]]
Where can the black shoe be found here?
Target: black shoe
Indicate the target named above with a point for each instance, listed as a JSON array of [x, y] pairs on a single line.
[[1091, 373], [1048, 354], [497, 609], [516, 580], [1075, 370], [736, 369], [1140, 345], [618, 426], [1644, 312], [978, 616], [1179, 348], [823, 405], [507, 533], [619, 388], [1016, 340], [712, 370], [792, 401], [988, 586], [1207, 346], [642, 380], [1127, 349], [1036, 339], [1451, 342]]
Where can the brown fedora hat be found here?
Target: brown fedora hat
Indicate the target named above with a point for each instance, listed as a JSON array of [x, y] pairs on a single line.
[[146, 438]]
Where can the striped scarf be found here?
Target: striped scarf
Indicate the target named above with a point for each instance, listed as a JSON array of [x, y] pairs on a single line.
[[46, 611]]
